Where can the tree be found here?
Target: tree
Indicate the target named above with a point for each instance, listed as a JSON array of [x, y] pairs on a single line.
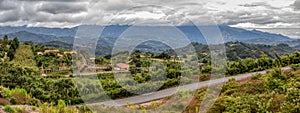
[[164, 55], [5, 40], [15, 43], [10, 54], [278, 60]]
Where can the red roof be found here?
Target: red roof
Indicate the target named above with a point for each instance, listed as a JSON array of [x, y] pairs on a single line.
[[122, 65], [52, 51]]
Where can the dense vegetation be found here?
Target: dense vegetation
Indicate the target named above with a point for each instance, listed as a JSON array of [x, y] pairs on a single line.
[[278, 91], [140, 73], [44, 89], [8, 47], [21, 73], [234, 50], [263, 63], [24, 57], [56, 61], [21, 81]]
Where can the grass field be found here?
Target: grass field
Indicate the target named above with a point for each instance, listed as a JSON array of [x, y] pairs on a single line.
[[25, 57]]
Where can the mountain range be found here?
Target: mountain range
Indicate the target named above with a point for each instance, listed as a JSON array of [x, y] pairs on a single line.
[[111, 33]]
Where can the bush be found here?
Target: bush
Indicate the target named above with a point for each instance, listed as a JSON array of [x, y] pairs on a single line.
[[3, 92], [14, 101], [61, 104], [33, 108], [4, 102], [21, 110], [19, 99], [46, 108], [206, 69], [9, 109], [295, 66], [257, 77], [22, 92], [204, 77], [33, 102]]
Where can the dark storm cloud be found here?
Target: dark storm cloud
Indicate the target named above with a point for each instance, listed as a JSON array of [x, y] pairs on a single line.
[[41, 12], [296, 5], [7, 5], [10, 16], [47, 12], [56, 8]]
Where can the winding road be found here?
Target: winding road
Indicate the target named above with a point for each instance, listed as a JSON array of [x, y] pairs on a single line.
[[169, 92]]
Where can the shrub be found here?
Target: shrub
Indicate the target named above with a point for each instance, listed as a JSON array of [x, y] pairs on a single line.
[[33, 108], [46, 108], [4, 102], [18, 99], [207, 69], [61, 104], [22, 92], [257, 77], [33, 102], [9, 109], [21, 110], [204, 77], [3, 92], [14, 101], [295, 66]]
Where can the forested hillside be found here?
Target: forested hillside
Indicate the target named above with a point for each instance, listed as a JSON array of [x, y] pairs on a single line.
[[236, 50]]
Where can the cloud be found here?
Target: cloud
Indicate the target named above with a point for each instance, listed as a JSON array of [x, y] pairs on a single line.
[[259, 4], [57, 8], [49, 0], [116, 5], [296, 5], [7, 5], [65, 13]]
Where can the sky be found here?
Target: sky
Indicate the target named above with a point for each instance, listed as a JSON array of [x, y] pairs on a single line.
[[250, 14]]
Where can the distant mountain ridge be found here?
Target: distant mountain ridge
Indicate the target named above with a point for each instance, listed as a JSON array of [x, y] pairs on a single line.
[[58, 32], [111, 33]]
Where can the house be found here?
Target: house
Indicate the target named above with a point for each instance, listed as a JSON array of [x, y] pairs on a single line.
[[44, 75], [92, 59], [39, 53], [60, 56], [70, 52], [121, 67], [52, 51], [142, 56], [45, 71]]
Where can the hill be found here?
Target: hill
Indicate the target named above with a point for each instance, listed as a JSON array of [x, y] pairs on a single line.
[[37, 38], [235, 50]]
